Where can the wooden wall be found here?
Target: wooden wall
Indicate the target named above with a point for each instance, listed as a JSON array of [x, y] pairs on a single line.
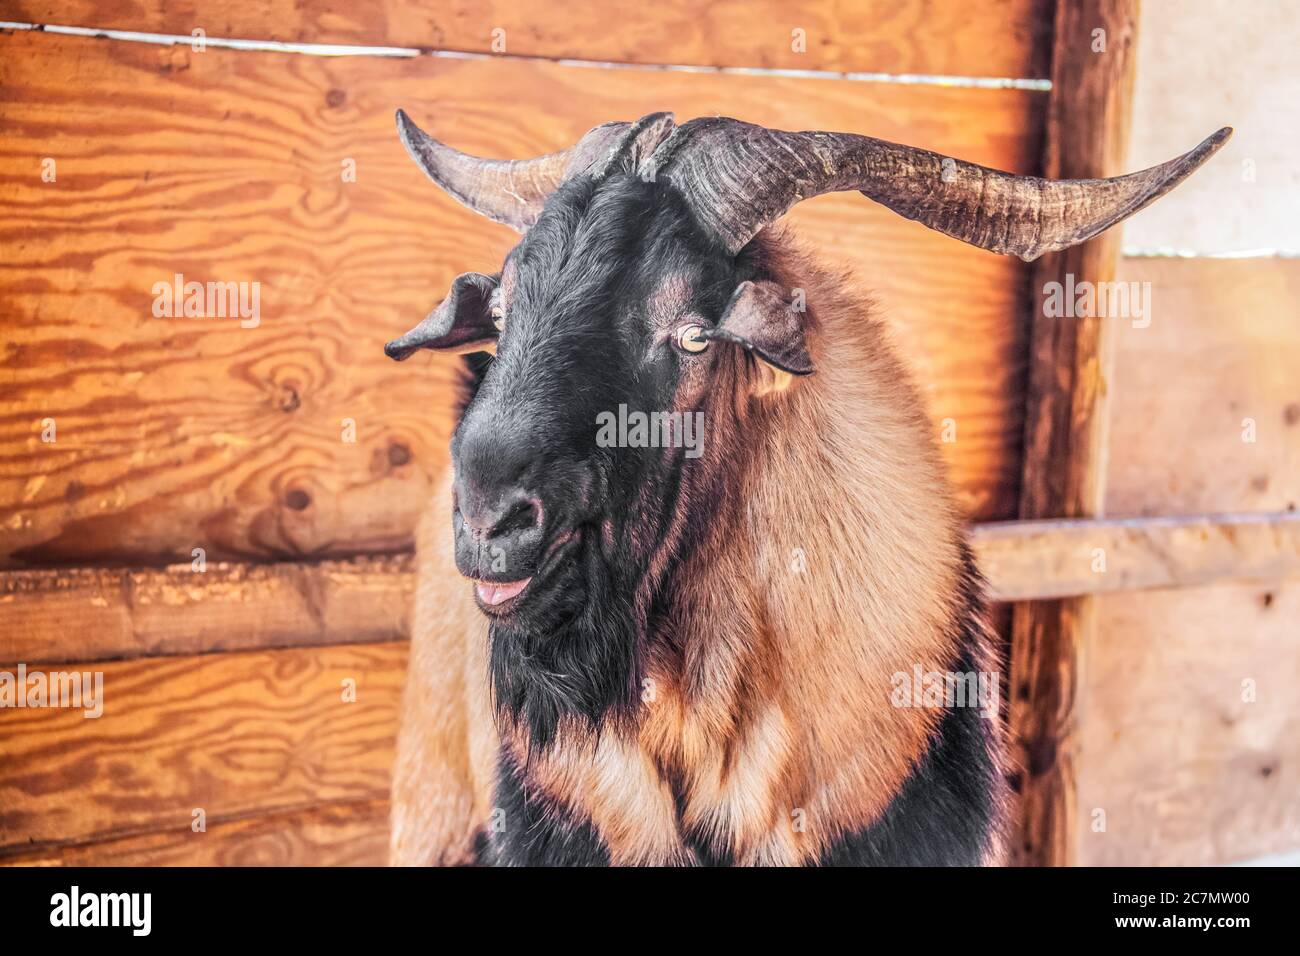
[[226, 688], [226, 165], [1185, 769], [177, 434]]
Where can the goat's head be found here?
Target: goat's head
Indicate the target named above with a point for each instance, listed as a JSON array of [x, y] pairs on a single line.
[[635, 286]]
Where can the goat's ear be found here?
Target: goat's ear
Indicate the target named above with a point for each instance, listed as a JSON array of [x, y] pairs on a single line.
[[762, 319], [462, 323]]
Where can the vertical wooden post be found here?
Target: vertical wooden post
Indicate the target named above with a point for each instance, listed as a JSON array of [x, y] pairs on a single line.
[[1065, 427]]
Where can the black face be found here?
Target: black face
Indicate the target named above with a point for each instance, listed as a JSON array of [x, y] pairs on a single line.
[[554, 506], [622, 339]]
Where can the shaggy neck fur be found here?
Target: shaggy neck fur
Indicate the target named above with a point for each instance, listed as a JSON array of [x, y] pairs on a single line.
[[813, 552]]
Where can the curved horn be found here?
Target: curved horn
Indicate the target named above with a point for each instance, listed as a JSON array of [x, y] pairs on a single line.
[[514, 191], [739, 178]]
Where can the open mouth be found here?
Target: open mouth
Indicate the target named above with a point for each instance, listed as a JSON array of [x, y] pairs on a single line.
[[504, 598], [496, 593]]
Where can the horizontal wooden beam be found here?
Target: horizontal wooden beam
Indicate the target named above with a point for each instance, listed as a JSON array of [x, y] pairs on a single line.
[[1032, 560], [88, 614], [331, 834], [84, 614]]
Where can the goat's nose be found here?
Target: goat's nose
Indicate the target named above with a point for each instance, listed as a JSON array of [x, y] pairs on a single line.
[[498, 536], [500, 515]]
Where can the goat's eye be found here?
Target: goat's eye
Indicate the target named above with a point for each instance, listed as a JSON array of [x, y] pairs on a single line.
[[689, 340]]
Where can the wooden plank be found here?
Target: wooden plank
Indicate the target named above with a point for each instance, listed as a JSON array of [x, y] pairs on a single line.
[[1087, 130], [1004, 38], [1031, 560], [338, 834], [1221, 348], [236, 735], [97, 615], [226, 166], [1186, 771], [88, 614], [1189, 764], [177, 433]]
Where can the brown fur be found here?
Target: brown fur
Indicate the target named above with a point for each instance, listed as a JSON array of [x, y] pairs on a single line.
[[446, 746], [829, 565]]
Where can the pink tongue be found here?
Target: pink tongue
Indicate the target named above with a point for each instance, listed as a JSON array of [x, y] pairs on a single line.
[[490, 593]]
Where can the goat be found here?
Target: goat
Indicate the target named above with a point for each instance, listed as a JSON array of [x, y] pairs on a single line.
[[663, 658]]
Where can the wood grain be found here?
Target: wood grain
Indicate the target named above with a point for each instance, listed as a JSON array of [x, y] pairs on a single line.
[[91, 614], [335, 834], [1186, 770], [226, 166], [1065, 422], [235, 734], [1005, 38], [1028, 560], [1222, 346], [177, 433], [86, 614]]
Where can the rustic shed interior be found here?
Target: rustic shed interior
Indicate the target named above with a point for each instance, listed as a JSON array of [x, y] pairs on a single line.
[[288, 461]]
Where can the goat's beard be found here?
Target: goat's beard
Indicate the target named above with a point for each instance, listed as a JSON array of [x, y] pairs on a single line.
[[578, 665], [579, 662]]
